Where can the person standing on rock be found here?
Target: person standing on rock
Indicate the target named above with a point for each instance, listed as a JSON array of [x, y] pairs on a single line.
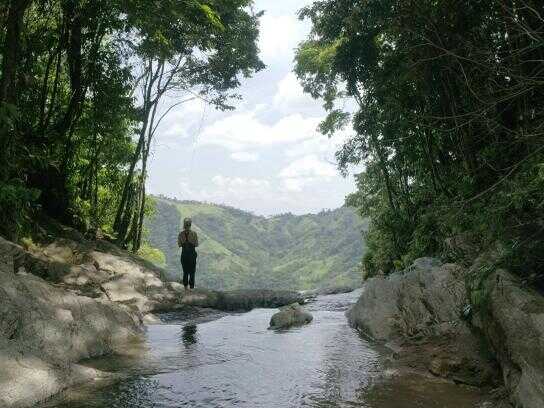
[[188, 241]]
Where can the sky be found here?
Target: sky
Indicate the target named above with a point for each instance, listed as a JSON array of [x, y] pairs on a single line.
[[266, 156]]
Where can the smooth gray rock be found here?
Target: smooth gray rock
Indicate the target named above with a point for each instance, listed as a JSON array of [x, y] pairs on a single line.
[[74, 299], [514, 325], [247, 299], [289, 316], [413, 302], [422, 304], [426, 301], [238, 300], [103, 271], [333, 290], [46, 330]]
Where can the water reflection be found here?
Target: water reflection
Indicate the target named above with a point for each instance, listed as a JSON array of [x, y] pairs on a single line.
[[189, 335]]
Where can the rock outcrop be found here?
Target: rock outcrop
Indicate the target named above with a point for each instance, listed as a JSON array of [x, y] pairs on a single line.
[[235, 300], [289, 316], [332, 290], [513, 323], [248, 299], [414, 302], [422, 311], [45, 330], [101, 270]]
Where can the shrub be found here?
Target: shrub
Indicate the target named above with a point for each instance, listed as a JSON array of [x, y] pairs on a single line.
[[16, 202]]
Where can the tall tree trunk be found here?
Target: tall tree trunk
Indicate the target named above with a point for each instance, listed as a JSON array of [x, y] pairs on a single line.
[[139, 219], [12, 46], [45, 89], [8, 82], [75, 65], [124, 204], [157, 83], [127, 217], [376, 148], [55, 89], [145, 156], [122, 208]]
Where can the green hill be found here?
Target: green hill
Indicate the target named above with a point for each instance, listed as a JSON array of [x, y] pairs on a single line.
[[242, 250]]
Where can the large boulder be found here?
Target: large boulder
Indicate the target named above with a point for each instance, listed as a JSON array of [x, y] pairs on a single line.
[[45, 330], [100, 270], [247, 299], [289, 316], [417, 301], [421, 308], [513, 322], [424, 309]]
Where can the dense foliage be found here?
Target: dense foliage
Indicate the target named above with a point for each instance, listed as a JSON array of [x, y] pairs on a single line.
[[448, 121], [84, 85], [241, 250]]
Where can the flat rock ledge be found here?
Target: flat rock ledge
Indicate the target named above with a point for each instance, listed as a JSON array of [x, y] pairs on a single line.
[[421, 313], [332, 290], [289, 316], [237, 300]]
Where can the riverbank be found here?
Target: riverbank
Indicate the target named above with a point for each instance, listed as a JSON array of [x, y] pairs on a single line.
[[65, 299], [456, 323]]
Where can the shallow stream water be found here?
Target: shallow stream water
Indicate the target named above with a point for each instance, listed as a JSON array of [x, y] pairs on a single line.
[[232, 360]]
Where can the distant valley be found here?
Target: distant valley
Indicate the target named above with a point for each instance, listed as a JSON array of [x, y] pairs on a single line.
[[241, 250]]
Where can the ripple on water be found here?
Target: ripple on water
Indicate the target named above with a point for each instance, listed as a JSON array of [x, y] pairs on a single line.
[[235, 361]]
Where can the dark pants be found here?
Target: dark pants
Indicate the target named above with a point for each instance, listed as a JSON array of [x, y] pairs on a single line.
[[188, 263]]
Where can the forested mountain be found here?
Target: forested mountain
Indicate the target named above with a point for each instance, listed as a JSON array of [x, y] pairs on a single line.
[[242, 250]]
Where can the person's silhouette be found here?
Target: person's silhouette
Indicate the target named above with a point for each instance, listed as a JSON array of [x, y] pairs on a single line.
[[188, 241]]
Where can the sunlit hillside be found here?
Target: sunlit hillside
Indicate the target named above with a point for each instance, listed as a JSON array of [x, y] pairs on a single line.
[[242, 250]]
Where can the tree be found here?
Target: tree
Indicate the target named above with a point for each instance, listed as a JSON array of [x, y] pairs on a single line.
[[448, 123], [185, 57], [81, 78]]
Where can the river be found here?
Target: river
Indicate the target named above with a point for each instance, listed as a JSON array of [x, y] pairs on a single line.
[[233, 360]]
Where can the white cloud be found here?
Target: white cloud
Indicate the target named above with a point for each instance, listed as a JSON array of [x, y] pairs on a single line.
[[305, 172], [244, 156], [268, 196], [244, 130], [308, 167], [239, 185], [266, 156], [294, 184], [291, 95], [278, 36], [320, 145], [175, 125]]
